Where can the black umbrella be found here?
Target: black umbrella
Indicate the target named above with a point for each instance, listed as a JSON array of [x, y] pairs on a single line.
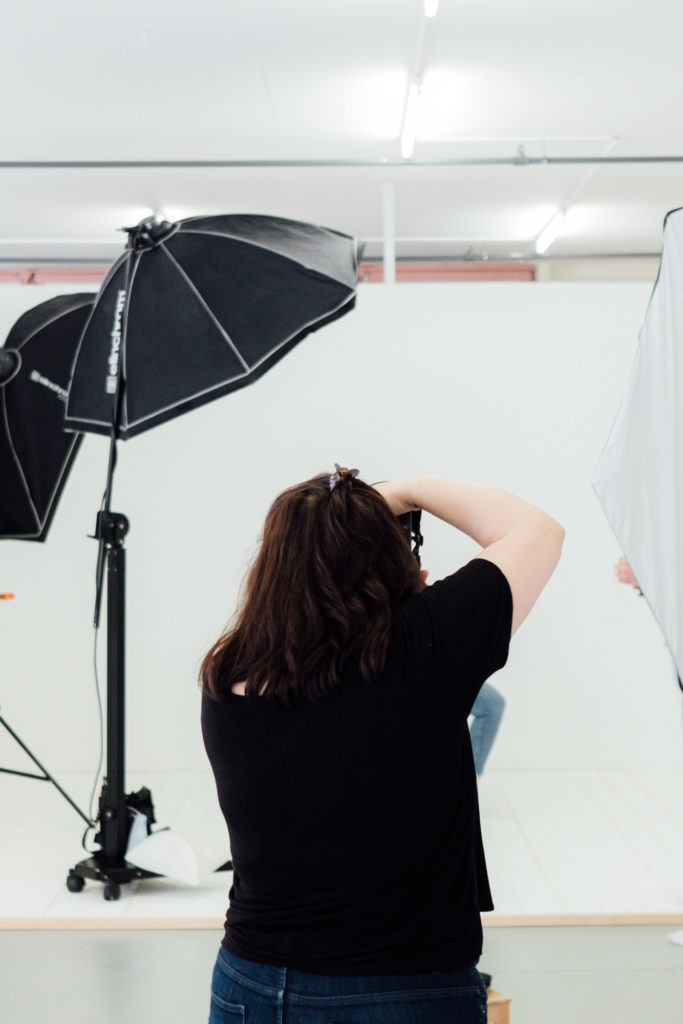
[[199, 308], [35, 452]]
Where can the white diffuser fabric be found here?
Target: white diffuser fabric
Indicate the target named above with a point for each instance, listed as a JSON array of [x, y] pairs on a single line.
[[639, 478]]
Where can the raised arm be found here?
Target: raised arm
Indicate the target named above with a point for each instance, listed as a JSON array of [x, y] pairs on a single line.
[[518, 537]]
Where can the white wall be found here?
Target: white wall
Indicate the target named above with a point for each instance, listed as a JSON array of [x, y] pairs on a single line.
[[510, 384]]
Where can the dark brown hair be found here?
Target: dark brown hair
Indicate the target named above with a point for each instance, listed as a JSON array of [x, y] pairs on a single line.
[[331, 565]]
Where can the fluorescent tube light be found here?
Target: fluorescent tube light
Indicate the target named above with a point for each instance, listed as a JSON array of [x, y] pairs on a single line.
[[409, 131], [551, 231], [431, 7]]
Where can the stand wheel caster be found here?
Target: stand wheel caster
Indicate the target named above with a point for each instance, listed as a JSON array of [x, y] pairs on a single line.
[[112, 891], [74, 883]]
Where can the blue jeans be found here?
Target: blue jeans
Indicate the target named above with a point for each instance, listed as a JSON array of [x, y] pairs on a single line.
[[487, 711], [243, 992]]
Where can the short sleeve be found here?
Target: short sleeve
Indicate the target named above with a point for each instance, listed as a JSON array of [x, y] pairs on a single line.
[[460, 629]]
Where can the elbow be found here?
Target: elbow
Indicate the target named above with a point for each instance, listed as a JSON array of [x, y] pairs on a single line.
[[549, 533], [555, 536]]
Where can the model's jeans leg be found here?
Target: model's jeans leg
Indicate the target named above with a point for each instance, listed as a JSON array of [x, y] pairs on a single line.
[[487, 711]]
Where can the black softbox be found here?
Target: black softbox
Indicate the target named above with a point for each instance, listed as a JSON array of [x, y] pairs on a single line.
[[36, 453]]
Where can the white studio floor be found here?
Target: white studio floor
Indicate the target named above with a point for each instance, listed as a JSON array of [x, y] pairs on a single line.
[[561, 846]]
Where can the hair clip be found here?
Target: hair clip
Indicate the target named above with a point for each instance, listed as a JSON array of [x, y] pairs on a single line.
[[341, 473]]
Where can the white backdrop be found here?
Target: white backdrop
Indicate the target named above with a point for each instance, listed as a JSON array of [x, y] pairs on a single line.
[[510, 384]]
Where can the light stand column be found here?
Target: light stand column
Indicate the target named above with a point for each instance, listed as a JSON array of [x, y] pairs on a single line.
[[108, 864], [112, 528]]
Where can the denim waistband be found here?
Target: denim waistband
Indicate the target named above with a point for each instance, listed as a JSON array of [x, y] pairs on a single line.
[[270, 980]]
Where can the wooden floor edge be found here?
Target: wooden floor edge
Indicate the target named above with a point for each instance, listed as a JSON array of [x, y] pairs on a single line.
[[216, 923], [577, 920], [113, 923]]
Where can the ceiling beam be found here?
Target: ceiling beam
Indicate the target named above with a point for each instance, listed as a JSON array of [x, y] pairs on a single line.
[[514, 161], [96, 265]]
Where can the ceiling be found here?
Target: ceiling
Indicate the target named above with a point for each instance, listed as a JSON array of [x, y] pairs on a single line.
[[302, 102]]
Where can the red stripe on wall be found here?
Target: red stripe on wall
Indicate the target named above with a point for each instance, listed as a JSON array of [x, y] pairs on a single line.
[[370, 272]]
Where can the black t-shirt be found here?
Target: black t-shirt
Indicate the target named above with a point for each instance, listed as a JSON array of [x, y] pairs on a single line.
[[354, 823]]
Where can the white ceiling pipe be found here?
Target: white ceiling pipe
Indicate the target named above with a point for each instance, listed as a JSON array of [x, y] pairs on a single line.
[[389, 237], [409, 130], [514, 161], [409, 124]]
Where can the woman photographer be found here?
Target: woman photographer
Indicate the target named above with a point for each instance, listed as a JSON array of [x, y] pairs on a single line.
[[334, 716]]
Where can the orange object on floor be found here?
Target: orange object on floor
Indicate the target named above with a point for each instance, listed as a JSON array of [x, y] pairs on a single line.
[[498, 1008]]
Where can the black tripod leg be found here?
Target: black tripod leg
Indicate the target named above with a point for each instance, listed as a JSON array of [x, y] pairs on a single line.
[[45, 776]]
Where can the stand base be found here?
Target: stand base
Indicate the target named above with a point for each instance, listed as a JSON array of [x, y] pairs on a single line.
[[113, 876]]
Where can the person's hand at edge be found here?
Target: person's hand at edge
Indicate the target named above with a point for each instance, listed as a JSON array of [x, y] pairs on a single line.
[[624, 573]]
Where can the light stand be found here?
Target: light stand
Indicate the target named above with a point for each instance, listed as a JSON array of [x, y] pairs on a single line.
[[109, 865]]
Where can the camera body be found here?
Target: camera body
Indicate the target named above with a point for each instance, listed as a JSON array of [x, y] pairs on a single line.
[[410, 524]]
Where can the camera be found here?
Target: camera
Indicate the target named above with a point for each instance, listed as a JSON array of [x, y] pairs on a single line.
[[410, 524]]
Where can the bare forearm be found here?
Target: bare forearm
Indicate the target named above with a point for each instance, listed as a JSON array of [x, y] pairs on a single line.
[[486, 514], [519, 538]]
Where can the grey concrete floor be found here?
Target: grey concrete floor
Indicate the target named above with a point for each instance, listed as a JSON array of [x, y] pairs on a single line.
[[597, 975], [624, 975]]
